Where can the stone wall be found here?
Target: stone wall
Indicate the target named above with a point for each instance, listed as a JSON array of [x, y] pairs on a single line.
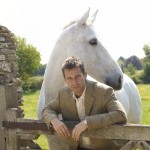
[[10, 85], [9, 67], [8, 59]]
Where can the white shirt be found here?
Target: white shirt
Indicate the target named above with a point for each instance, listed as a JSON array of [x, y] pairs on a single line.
[[85, 141], [80, 105]]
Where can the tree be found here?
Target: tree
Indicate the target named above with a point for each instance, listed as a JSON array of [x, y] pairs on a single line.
[[41, 70], [135, 61], [131, 69], [146, 61], [121, 62], [28, 58]]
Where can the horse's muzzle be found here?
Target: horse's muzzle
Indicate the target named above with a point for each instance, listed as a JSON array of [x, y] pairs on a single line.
[[116, 83]]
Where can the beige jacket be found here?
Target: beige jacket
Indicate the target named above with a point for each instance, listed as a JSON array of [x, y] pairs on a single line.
[[101, 108]]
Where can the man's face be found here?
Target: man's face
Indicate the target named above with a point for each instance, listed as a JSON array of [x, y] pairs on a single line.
[[75, 80]]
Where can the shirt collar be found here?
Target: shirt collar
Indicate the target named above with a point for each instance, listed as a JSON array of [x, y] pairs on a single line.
[[81, 97]]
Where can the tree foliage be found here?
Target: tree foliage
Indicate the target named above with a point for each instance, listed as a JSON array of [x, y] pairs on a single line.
[[131, 69], [28, 58], [125, 64], [137, 69], [135, 61], [146, 61], [41, 70]]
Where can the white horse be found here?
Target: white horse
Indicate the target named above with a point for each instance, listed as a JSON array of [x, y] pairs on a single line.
[[79, 39]]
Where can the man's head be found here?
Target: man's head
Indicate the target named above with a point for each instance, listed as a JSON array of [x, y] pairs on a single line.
[[74, 74], [72, 62]]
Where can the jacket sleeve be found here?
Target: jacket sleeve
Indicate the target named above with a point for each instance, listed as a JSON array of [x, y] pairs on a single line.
[[114, 112], [51, 111]]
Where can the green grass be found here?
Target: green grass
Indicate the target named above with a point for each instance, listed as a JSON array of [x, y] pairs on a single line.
[[30, 106], [144, 90]]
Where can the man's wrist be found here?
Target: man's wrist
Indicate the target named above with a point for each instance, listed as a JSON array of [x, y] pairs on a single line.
[[85, 122], [53, 121]]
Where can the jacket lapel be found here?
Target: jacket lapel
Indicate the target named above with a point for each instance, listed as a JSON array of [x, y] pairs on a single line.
[[88, 101], [71, 103], [89, 98]]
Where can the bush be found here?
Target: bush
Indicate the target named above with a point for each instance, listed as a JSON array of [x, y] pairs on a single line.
[[32, 84], [137, 77], [145, 79]]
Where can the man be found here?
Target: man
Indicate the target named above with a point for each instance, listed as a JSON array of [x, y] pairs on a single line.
[[93, 104]]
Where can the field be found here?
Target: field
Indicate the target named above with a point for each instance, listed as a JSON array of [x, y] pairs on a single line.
[[30, 105], [145, 95]]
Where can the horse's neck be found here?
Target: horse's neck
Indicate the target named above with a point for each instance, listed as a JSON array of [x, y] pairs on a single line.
[[53, 78]]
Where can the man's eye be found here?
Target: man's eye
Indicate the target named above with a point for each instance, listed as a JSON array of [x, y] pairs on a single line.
[[68, 79], [78, 76]]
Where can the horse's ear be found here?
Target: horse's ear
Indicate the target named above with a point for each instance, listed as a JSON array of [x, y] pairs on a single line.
[[92, 18], [83, 19]]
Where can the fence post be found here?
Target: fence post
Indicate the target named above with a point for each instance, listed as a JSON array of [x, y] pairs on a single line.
[[11, 134], [2, 116]]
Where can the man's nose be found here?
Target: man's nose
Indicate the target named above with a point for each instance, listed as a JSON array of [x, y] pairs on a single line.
[[74, 81]]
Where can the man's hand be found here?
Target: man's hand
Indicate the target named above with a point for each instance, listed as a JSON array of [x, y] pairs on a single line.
[[60, 127], [78, 129]]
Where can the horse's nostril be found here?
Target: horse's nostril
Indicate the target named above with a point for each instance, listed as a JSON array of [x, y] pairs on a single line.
[[120, 80], [115, 84]]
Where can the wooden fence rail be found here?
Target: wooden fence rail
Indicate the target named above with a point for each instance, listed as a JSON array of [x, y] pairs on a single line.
[[133, 136]]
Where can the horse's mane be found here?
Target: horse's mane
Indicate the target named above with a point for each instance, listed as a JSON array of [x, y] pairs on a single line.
[[70, 23]]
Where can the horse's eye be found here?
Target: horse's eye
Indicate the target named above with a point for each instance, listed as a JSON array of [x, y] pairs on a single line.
[[93, 41]]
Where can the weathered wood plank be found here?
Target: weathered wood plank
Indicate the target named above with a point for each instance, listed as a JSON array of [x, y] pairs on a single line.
[[143, 145], [27, 136], [121, 132], [2, 115], [11, 134], [133, 145], [25, 125], [11, 96], [29, 143]]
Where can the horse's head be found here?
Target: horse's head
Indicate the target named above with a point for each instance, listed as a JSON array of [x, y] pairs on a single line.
[[79, 39]]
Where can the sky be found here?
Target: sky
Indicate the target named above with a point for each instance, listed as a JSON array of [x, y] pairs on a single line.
[[123, 26]]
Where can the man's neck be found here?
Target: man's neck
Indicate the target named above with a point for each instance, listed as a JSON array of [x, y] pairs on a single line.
[[79, 95]]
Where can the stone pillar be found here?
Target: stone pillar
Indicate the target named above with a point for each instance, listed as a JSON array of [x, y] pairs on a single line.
[[10, 85]]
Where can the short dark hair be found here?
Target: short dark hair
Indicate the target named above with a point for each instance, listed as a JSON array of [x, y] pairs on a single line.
[[72, 62]]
